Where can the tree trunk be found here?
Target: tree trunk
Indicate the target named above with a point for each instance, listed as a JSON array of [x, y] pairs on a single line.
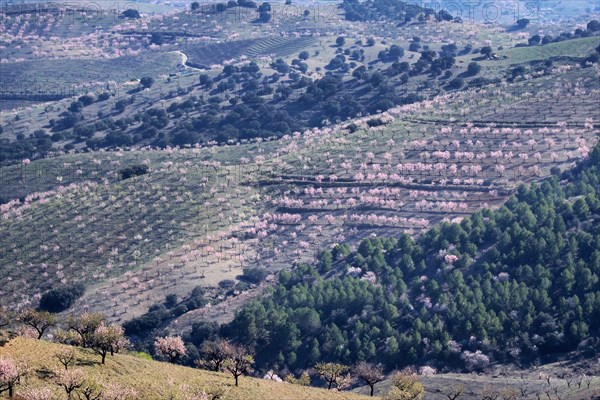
[[236, 380], [10, 392], [372, 388], [104, 358]]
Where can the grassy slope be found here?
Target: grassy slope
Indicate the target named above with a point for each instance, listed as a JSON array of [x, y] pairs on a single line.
[[569, 48], [153, 379], [70, 73]]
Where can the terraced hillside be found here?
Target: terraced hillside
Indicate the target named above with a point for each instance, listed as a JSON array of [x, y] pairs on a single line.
[[59, 79], [203, 56], [203, 214]]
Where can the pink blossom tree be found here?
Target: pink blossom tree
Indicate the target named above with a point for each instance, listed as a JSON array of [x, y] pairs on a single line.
[[10, 375], [108, 339], [171, 347], [70, 380], [475, 360]]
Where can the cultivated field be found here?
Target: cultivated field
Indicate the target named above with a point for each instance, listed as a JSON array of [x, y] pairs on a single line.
[[203, 214]]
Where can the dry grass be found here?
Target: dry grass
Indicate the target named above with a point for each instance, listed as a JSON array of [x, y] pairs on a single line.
[[153, 379]]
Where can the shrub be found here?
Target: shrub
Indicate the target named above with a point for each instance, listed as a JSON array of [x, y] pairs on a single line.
[[522, 23], [414, 46], [593, 26], [134, 170], [157, 38], [147, 81], [226, 284], [171, 300], [143, 324], [86, 99], [60, 299], [473, 69], [375, 122], [131, 13], [455, 84], [486, 51], [254, 275]]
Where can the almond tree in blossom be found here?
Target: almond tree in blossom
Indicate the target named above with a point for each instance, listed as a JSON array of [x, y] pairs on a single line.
[[70, 380], [11, 375], [171, 347], [108, 339]]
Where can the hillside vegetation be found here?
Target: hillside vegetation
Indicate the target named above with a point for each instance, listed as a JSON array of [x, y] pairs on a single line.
[[517, 284], [153, 379], [336, 191]]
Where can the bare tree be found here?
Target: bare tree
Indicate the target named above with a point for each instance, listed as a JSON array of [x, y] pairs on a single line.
[[490, 394], [66, 357], [370, 374], [556, 391], [454, 392], [90, 390], [509, 394], [239, 362]]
